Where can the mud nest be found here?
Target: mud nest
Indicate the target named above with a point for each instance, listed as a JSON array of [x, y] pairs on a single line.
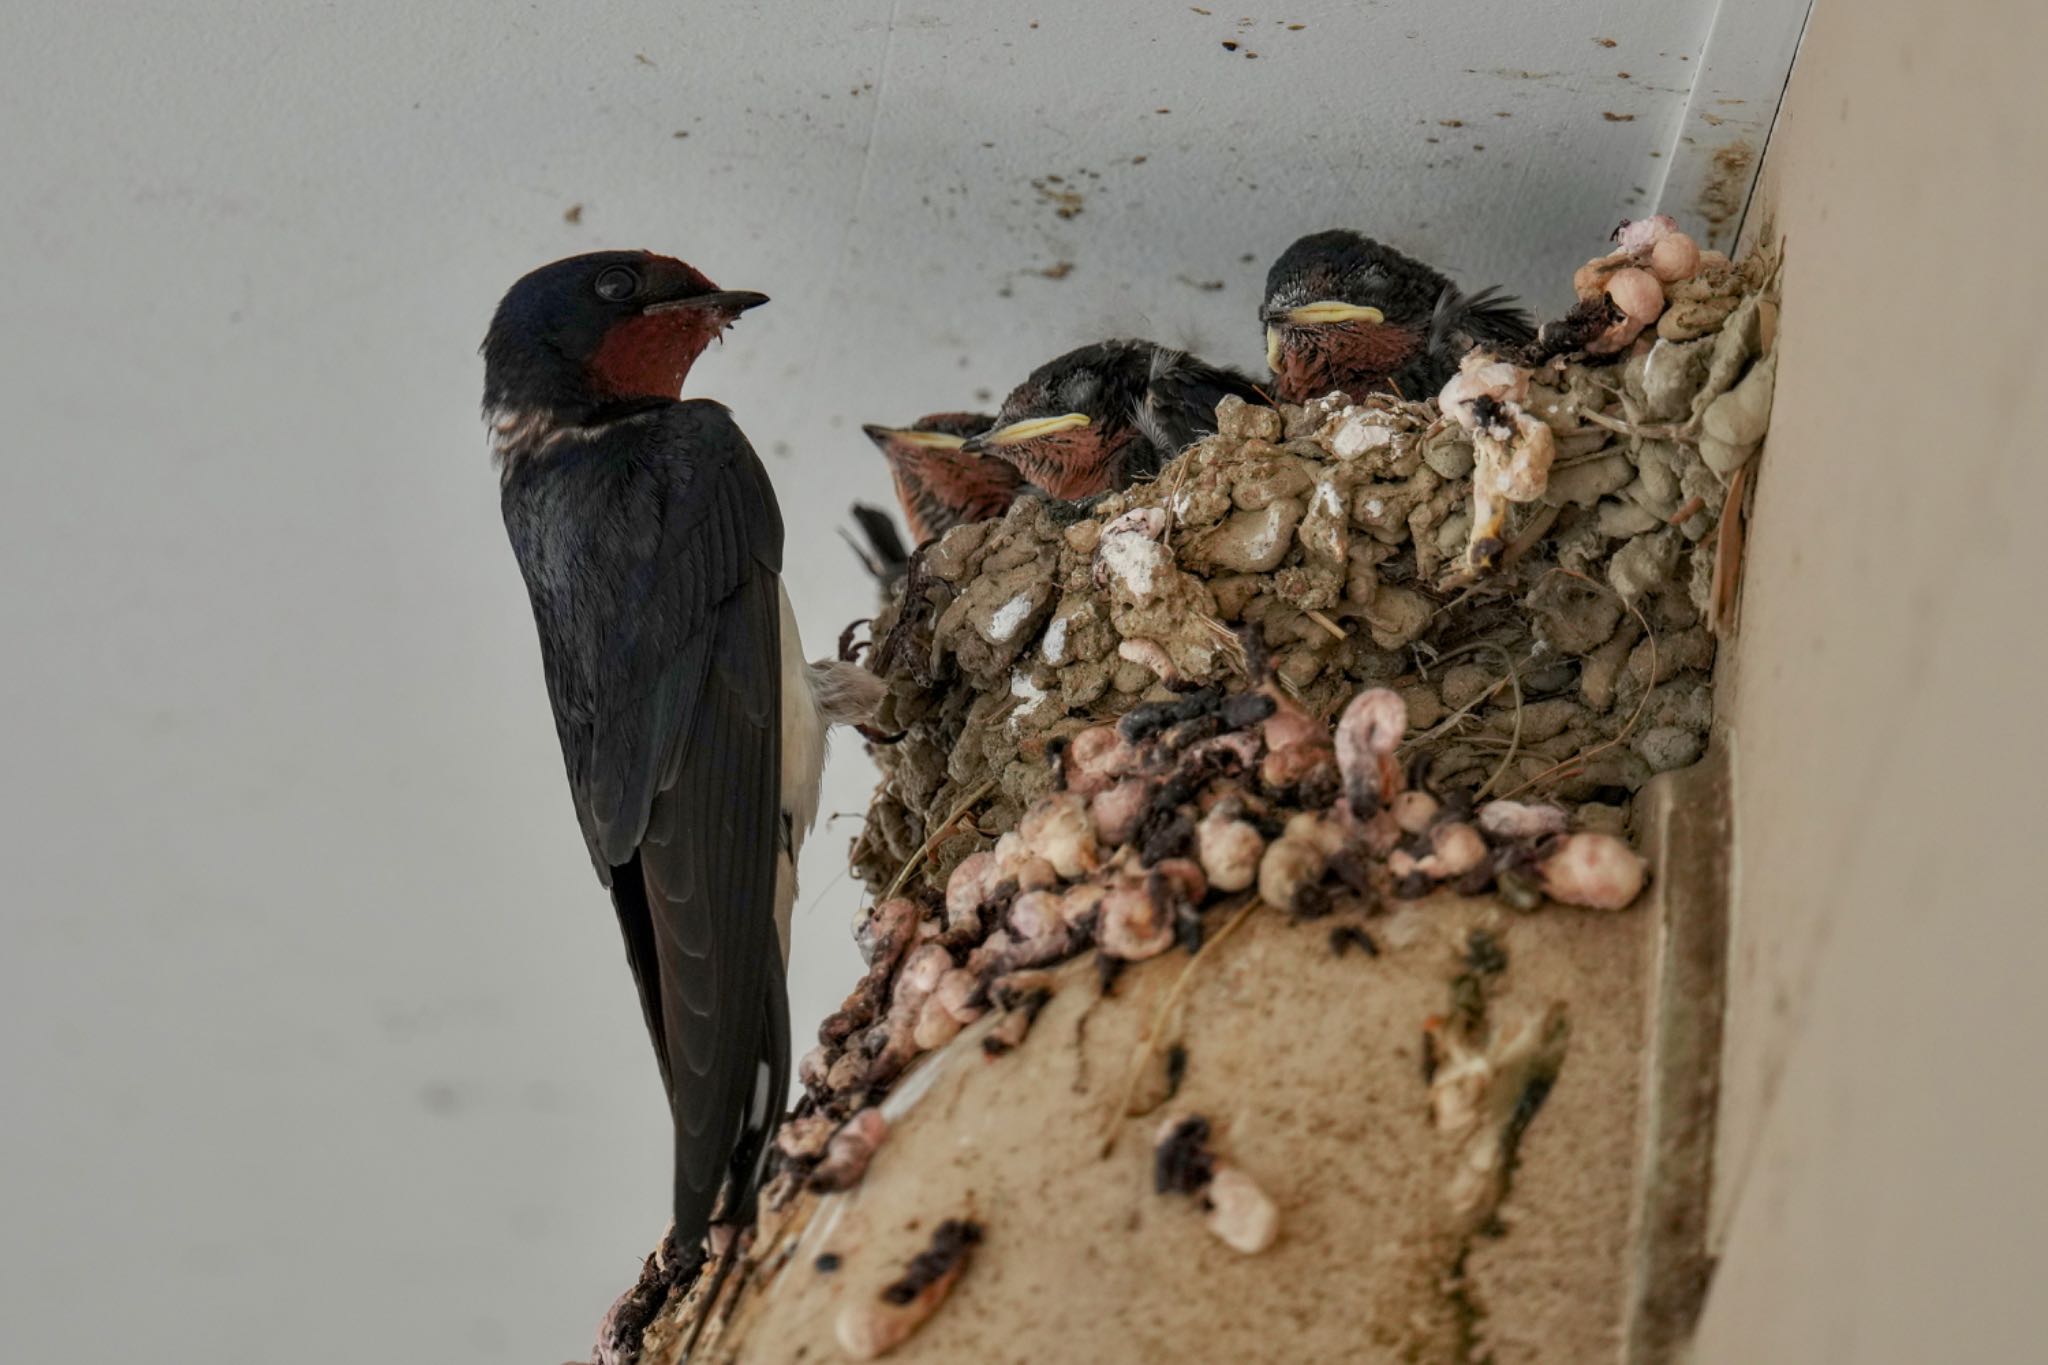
[[1104, 720], [1334, 658], [1333, 541]]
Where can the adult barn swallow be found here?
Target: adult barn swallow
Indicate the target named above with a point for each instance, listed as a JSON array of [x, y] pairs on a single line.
[[1105, 416], [692, 730], [1343, 312], [940, 484]]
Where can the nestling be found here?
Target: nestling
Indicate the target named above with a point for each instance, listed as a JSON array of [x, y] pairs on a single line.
[[1345, 313]]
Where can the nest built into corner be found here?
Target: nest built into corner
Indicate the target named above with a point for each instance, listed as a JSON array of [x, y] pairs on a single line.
[[1336, 542], [1336, 660]]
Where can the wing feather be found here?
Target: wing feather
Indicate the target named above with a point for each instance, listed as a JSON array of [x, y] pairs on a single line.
[[1178, 407]]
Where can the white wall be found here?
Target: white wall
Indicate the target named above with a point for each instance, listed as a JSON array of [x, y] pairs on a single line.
[[316, 1028], [1879, 1197]]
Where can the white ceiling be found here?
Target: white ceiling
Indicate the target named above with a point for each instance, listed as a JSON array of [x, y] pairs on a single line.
[[322, 1030]]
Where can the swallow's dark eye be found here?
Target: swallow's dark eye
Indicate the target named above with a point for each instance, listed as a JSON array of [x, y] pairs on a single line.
[[617, 282]]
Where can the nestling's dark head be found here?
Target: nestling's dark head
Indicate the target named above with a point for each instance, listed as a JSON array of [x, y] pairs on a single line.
[[1342, 312], [939, 483], [608, 327], [1065, 423]]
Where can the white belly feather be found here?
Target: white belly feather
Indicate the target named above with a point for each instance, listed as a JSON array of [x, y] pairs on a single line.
[[815, 697], [803, 764]]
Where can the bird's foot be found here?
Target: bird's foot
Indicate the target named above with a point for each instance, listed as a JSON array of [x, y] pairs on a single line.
[[624, 1326]]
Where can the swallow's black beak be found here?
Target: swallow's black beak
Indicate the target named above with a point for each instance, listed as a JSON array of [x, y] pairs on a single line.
[[729, 302], [878, 434]]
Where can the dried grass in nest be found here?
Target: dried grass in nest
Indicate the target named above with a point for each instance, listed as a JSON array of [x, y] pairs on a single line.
[[1515, 738], [1228, 640], [1685, 432], [1444, 726], [937, 837], [1728, 556], [1336, 631]]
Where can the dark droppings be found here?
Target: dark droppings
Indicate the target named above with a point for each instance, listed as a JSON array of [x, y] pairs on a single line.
[[1570, 334], [1318, 790], [1345, 937], [1191, 731], [1312, 902], [1270, 823], [1141, 723], [1028, 1003], [1475, 882], [1176, 1069], [1187, 927], [1526, 1104], [1483, 953], [1182, 1162], [1349, 866], [1244, 709], [951, 1241], [1056, 757], [1519, 889], [1165, 832], [827, 1262]]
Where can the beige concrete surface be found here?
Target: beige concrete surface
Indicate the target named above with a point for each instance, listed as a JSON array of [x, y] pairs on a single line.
[[1082, 1261], [1880, 1196]]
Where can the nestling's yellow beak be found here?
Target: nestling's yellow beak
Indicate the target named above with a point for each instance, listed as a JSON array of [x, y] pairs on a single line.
[[1033, 428], [1329, 310], [922, 440], [1323, 313]]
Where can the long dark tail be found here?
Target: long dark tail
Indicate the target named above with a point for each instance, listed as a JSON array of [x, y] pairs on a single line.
[[884, 554], [764, 1108], [750, 1154]]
